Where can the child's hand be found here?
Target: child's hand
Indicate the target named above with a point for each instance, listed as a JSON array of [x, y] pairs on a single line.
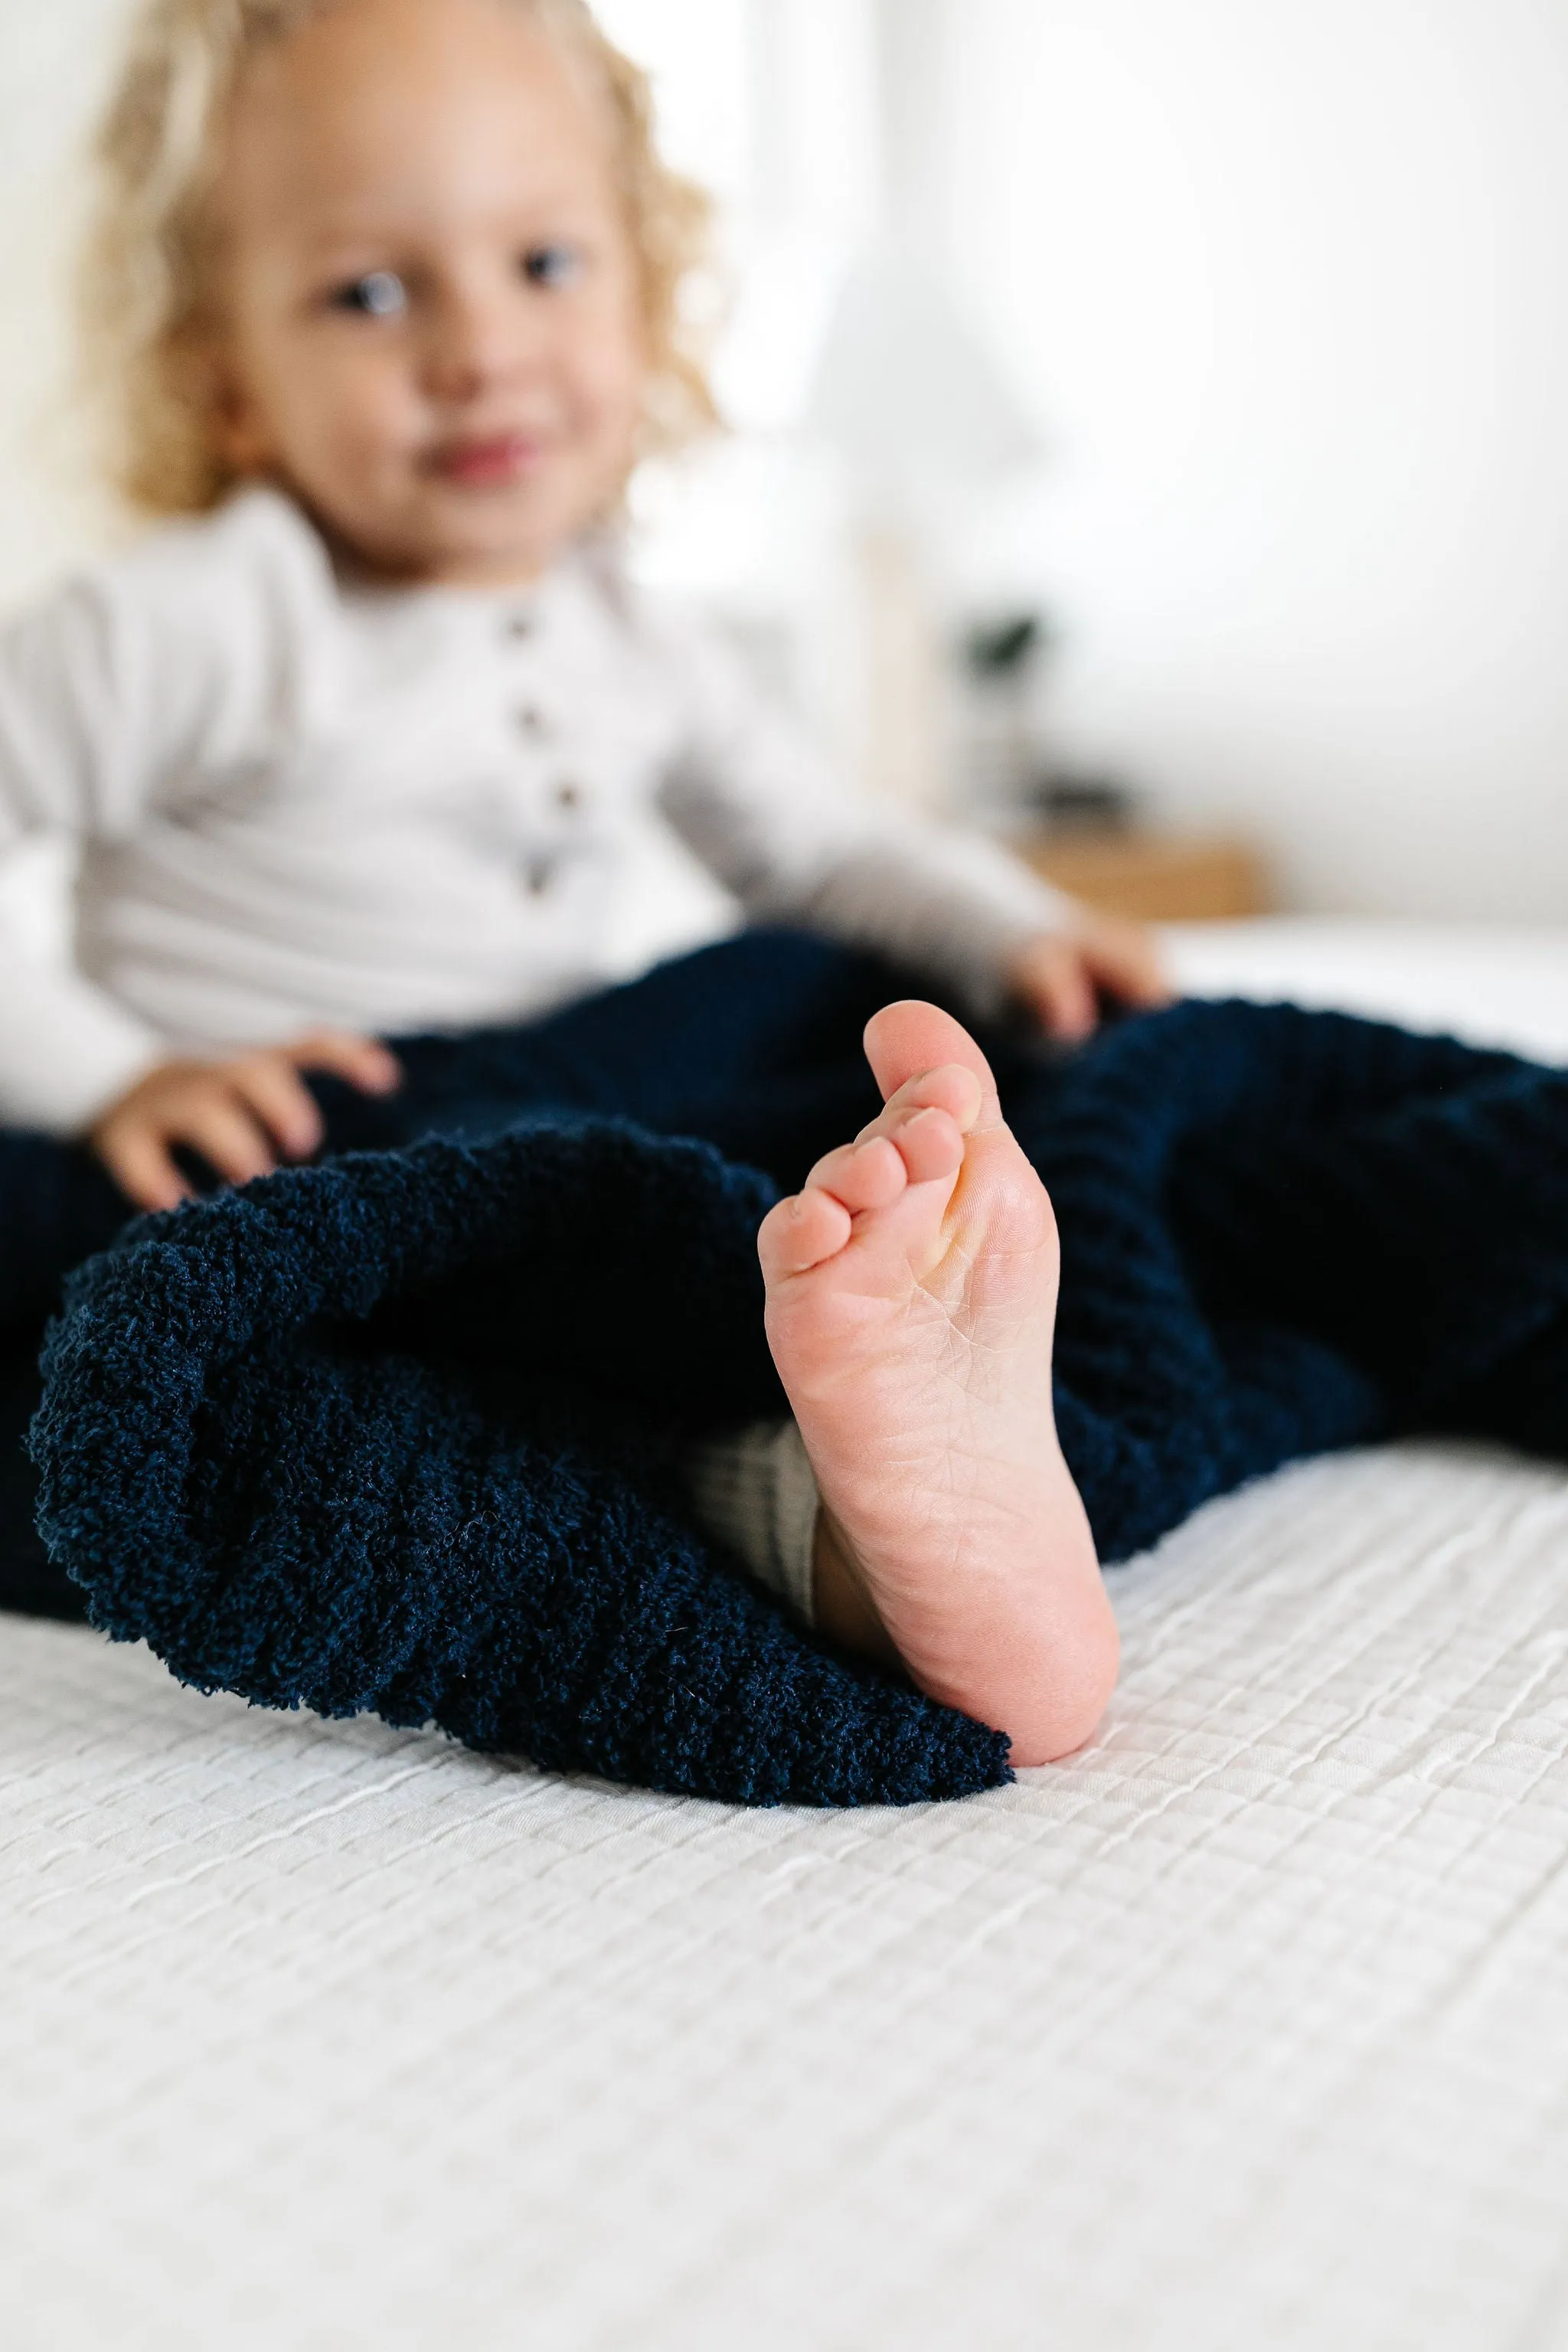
[[1061, 975], [242, 1116]]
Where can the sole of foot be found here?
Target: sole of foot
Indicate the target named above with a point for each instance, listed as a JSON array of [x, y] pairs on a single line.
[[911, 1294]]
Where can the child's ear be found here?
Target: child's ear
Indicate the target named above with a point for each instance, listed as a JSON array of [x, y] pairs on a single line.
[[214, 384]]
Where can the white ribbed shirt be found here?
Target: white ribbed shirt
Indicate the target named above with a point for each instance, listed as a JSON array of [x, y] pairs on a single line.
[[296, 801]]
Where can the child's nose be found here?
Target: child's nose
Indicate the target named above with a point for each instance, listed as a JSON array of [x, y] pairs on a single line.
[[480, 336]]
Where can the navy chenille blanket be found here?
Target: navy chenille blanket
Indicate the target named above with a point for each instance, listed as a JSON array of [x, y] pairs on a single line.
[[398, 1430]]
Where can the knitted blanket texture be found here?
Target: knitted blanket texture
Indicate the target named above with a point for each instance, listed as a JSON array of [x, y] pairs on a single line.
[[398, 1430]]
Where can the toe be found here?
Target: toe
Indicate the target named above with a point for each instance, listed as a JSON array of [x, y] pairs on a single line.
[[868, 1173], [929, 1143], [913, 1040], [951, 1088], [799, 1232]]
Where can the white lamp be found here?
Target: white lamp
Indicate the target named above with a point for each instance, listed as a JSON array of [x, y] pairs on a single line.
[[903, 388], [905, 394]]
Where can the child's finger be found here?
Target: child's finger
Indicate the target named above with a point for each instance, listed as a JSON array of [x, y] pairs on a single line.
[[282, 1102], [228, 1140], [365, 1062], [140, 1164], [1130, 969], [1063, 993]]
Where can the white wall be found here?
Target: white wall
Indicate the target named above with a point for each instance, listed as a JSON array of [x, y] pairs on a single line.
[[1287, 280], [53, 62]]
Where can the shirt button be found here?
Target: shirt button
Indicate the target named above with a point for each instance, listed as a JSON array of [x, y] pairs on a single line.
[[538, 873], [569, 796], [533, 722], [519, 625]]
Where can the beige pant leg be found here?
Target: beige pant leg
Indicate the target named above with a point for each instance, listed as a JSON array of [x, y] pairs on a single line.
[[756, 1493]]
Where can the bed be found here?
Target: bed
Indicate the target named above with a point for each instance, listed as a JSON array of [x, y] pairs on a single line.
[[1245, 2027]]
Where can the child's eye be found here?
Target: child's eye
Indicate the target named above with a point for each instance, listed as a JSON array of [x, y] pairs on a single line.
[[552, 266], [379, 294]]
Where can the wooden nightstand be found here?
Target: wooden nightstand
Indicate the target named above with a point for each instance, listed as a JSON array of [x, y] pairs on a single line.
[[1157, 878]]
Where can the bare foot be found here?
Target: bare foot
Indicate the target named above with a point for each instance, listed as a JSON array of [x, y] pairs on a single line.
[[911, 1303]]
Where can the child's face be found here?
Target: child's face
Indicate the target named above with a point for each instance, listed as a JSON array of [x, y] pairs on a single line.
[[428, 315]]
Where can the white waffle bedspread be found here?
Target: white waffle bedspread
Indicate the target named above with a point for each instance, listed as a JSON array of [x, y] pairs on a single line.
[[1248, 2027]]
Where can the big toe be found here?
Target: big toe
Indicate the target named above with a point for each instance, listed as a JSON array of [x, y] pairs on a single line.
[[910, 1038]]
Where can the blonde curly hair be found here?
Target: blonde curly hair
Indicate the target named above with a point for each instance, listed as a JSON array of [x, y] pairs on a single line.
[[143, 283]]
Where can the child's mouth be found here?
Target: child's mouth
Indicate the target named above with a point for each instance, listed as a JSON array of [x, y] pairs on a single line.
[[490, 463]]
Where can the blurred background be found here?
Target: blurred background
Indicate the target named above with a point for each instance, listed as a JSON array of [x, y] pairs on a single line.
[[1150, 418]]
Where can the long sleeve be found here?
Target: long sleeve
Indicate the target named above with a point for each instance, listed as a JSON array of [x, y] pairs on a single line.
[[68, 766], [764, 813], [124, 699], [66, 1048]]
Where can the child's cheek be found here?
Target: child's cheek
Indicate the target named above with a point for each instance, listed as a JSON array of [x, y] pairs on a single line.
[[379, 414], [618, 390]]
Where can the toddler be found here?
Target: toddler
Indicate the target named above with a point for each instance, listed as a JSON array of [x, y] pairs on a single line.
[[373, 736]]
